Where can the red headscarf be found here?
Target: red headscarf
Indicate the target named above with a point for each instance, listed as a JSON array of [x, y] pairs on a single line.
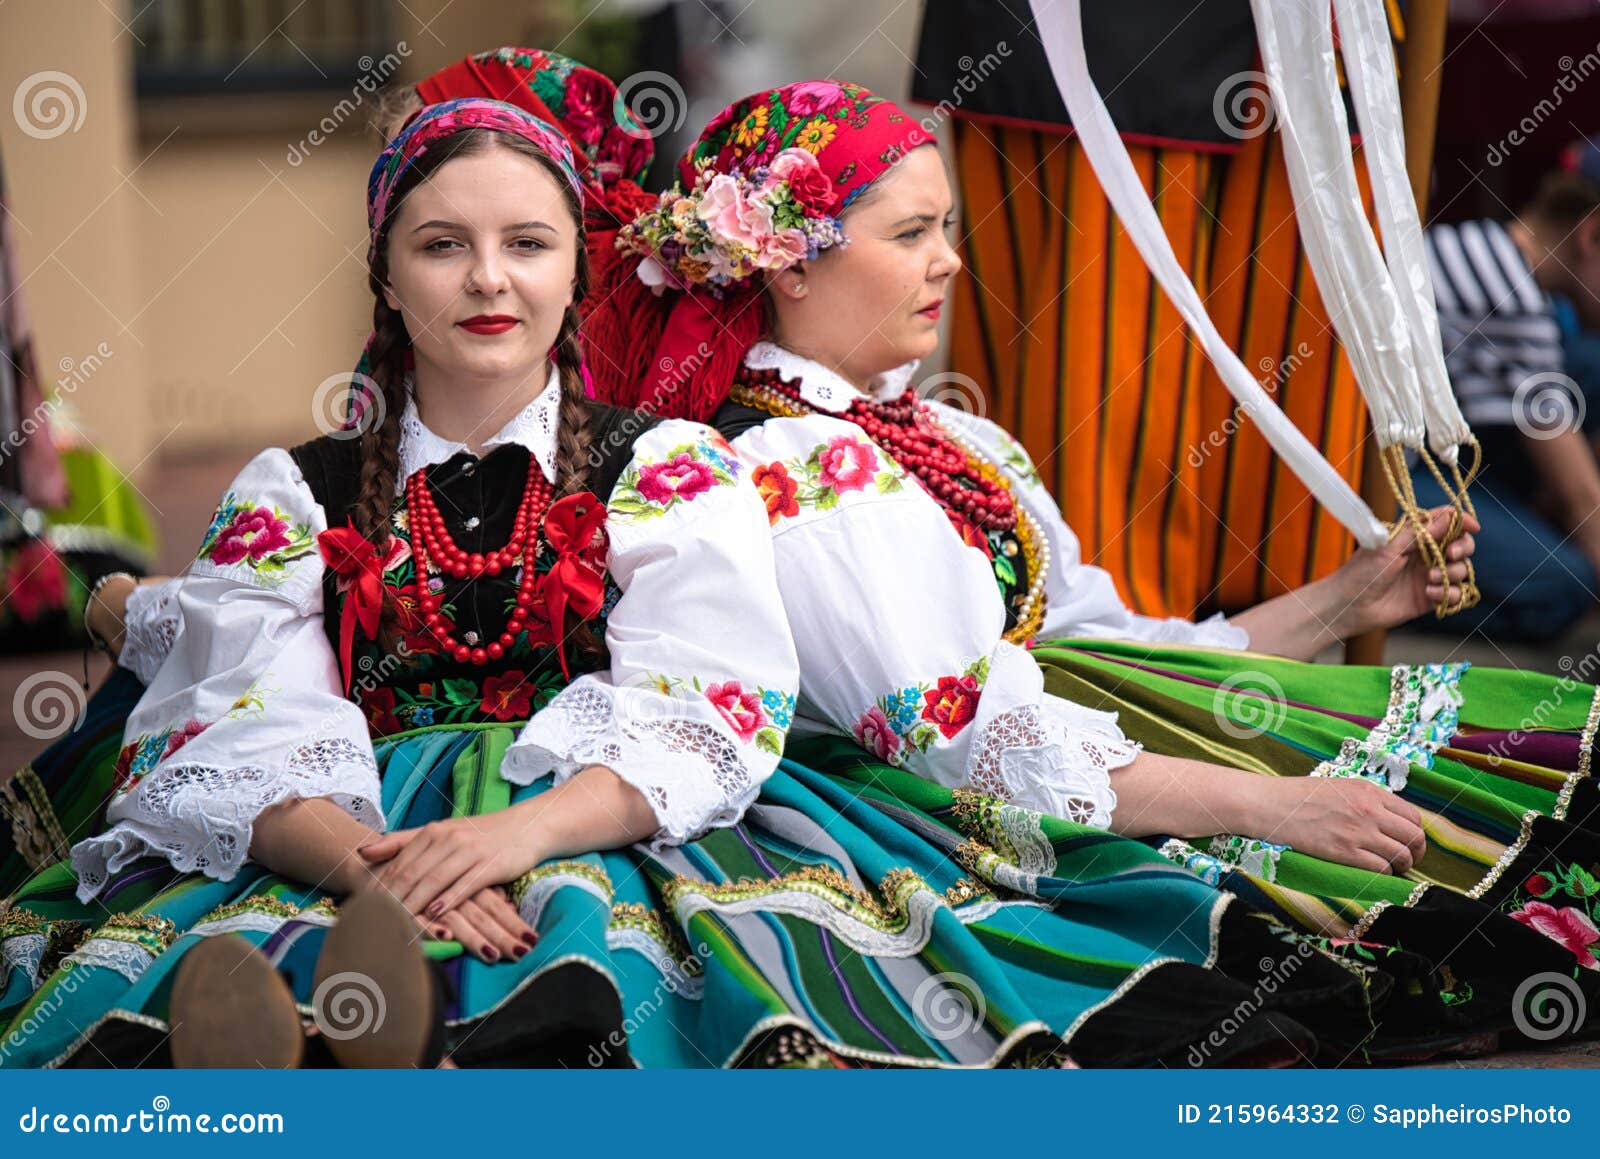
[[674, 349]]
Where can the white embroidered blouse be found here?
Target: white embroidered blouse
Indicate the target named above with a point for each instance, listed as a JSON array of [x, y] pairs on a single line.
[[245, 708], [899, 624]]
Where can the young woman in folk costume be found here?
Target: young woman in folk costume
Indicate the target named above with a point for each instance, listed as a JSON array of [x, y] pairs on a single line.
[[454, 561], [62, 794], [945, 621]]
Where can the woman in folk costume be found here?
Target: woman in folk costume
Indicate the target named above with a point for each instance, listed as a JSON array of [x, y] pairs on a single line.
[[452, 561], [61, 795], [945, 622]]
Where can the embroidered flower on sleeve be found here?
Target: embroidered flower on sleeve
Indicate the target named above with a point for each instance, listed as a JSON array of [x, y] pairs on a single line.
[[262, 538], [756, 715], [777, 489], [689, 471], [910, 719]]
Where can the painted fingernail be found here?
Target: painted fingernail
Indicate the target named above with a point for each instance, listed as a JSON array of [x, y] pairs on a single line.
[[491, 953], [436, 909], [519, 951], [529, 938], [440, 932]]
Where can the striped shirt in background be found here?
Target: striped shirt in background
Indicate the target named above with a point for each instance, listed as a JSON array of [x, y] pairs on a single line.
[[1498, 326]]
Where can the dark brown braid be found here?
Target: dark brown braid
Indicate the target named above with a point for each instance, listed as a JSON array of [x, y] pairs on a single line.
[[380, 441]]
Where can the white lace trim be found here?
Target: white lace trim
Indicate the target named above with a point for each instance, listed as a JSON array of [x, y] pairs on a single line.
[[693, 776], [534, 427], [127, 958], [200, 818], [23, 952], [820, 386], [150, 621], [1063, 770]]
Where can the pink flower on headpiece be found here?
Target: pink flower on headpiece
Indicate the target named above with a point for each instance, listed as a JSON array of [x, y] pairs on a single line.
[[813, 96], [734, 218], [783, 249]]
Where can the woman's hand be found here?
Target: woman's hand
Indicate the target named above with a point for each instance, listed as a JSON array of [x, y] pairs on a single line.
[[443, 864], [1386, 586], [487, 925], [1345, 819]]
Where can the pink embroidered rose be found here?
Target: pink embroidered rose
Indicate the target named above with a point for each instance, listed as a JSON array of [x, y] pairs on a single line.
[[1565, 924], [182, 736], [846, 464], [739, 708], [680, 477], [253, 533], [813, 96], [875, 734]]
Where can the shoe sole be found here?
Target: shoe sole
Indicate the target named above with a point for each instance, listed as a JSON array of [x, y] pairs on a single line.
[[374, 999], [230, 1009]]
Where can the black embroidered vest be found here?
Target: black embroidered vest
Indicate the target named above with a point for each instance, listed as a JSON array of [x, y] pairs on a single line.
[[411, 682], [1004, 548]]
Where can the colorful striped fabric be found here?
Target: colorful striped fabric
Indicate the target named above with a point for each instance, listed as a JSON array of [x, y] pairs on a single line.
[[857, 916], [1498, 762], [1080, 354]]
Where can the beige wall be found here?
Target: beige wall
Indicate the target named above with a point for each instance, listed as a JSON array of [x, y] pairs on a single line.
[[74, 213], [228, 280]]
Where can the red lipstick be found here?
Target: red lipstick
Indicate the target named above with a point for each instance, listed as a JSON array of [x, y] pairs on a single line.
[[488, 324]]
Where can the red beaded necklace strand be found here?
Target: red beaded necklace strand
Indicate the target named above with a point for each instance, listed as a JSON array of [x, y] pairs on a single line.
[[430, 539], [915, 441]]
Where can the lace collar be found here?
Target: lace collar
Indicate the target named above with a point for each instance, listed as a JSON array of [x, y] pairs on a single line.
[[533, 427], [823, 388]]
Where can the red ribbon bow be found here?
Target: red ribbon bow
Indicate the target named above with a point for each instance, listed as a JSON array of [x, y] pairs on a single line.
[[355, 560], [572, 528]]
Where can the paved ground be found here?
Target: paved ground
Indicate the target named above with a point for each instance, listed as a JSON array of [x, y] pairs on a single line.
[[183, 494]]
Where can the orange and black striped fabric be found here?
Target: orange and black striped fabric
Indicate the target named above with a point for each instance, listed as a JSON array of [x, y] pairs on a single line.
[[1084, 358]]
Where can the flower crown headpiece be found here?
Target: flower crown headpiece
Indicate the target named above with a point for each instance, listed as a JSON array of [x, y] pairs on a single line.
[[732, 224]]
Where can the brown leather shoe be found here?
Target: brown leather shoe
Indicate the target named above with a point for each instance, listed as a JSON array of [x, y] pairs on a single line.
[[376, 1002], [230, 1008]]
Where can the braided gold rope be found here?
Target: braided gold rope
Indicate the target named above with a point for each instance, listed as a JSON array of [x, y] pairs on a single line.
[[1393, 461]]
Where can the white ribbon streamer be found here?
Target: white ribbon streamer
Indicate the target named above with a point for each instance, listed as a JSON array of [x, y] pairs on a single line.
[[1060, 25]]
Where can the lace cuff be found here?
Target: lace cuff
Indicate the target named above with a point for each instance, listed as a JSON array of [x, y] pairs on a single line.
[[1057, 761], [201, 817], [693, 775], [150, 626]]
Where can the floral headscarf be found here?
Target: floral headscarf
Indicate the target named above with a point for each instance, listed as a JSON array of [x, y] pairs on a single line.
[[607, 140], [761, 190]]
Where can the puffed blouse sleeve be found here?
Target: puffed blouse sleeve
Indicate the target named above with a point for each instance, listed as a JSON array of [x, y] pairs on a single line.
[[700, 692], [247, 710], [1080, 599], [150, 623]]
